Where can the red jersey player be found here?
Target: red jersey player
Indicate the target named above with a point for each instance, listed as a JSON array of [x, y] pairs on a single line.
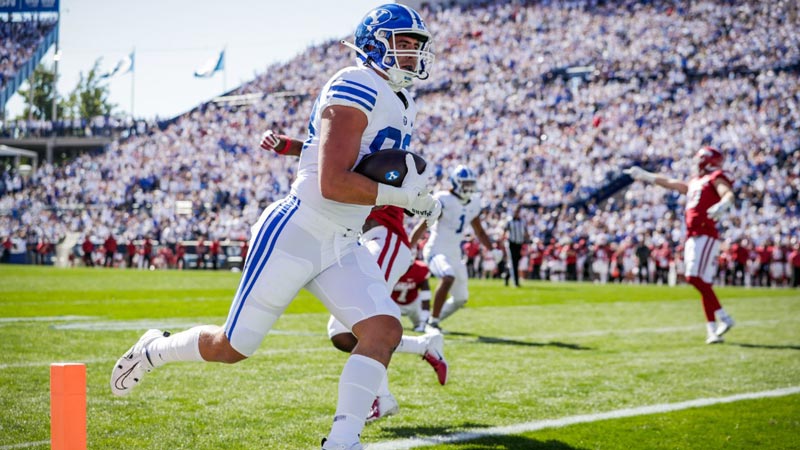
[[411, 293], [709, 195]]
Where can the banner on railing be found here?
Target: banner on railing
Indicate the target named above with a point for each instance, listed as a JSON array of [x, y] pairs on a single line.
[[20, 6]]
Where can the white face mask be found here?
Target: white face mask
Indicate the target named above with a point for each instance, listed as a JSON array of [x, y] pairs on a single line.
[[400, 78], [396, 77]]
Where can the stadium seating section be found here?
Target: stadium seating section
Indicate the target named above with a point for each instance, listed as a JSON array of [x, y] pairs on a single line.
[[547, 101]]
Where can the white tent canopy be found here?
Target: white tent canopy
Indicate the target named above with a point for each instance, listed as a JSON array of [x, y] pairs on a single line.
[[18, 153]]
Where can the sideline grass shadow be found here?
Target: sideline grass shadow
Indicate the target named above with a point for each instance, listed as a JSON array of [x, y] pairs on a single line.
[[503, 341], [766, 346], [513, 443], [510, 442]]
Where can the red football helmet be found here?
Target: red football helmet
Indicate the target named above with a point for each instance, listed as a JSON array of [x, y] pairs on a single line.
[[708, 159]]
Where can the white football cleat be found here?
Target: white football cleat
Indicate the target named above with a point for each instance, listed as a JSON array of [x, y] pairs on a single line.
[[725, 325], [434, 328], [330, 445], [714, 339], [131, 367], [434, 355], [384, 405]]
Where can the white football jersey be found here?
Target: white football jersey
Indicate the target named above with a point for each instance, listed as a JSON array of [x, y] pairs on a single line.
[[448, 232], [390, 125]]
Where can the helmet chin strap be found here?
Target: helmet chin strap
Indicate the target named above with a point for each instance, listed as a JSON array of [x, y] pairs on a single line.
[[463, 197], [390, 80]]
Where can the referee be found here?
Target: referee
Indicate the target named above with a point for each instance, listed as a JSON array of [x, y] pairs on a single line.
[[515, 235]]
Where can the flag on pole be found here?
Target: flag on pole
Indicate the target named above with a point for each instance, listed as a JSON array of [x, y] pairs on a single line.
[[211, 66], [123, 66]]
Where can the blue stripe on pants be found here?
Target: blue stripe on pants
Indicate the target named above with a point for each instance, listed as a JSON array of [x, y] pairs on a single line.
[[257, 260]]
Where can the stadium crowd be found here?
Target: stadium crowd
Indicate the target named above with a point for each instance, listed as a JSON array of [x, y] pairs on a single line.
[[108, 126], [18, 41], [547, 101]]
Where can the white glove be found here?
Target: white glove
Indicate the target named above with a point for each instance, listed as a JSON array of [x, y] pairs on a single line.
[[414, 185], [270, 141], [637, 173], [414, 179], [717, 210], [427, 207]]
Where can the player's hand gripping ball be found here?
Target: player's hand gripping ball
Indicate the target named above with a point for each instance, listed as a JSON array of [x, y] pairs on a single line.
[[388, 166]]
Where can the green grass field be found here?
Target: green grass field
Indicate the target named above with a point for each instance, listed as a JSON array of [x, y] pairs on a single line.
[[543, 352]]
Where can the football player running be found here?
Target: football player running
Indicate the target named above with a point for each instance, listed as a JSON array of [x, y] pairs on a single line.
[[442, 251], [387, 241], [310, 238], [709, 196]]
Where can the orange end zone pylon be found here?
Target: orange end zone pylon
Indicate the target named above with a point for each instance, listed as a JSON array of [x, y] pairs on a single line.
[[67, 406]]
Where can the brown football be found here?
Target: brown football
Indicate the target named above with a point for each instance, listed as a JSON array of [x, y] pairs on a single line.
[[388, 166]]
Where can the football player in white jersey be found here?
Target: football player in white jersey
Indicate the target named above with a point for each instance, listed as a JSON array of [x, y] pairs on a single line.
[[310, 238], [385, 237], [460, 208]]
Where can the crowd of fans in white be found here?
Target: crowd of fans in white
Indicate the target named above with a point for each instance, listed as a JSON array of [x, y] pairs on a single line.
[[18, 41], [658, 80], [107, 125]]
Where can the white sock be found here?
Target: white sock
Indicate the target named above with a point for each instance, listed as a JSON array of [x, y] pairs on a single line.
[[424, 301], [383, 389], [720, 314], [450, 306], [183, 346], [412, 344], [358, 386], [424, 316]]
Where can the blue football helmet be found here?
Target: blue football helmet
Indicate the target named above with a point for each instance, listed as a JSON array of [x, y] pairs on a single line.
[[375, 41], [464, 181]]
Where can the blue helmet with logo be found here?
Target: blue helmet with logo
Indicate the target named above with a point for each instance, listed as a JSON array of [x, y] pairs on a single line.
[[464, 181], [376, 41]]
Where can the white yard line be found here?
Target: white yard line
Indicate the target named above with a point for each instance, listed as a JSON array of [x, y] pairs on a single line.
[[109, 360], [15, 320], [527, 427], [25, 445]]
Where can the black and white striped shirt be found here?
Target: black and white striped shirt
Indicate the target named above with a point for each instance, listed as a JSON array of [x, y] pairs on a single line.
[[516, 231]]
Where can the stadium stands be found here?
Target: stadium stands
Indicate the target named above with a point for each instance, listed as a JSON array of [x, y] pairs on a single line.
[[652, 81], [24, 42]]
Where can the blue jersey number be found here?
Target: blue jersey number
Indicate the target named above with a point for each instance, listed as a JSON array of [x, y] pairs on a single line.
[[460, 224], [391, 134]]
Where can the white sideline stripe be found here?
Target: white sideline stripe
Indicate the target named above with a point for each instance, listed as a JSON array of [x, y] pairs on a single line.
[[26, 364], [527, 427], [108, 360], [25, 445], [162, 325], [42, 319]]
